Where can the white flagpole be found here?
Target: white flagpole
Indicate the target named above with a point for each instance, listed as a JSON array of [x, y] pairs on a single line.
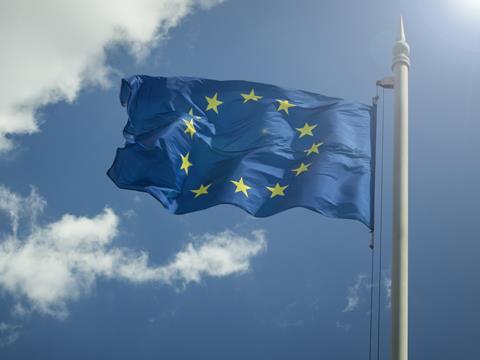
[[400, 65]]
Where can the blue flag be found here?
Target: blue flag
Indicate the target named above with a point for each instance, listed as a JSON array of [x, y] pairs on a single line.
[[195, 143]]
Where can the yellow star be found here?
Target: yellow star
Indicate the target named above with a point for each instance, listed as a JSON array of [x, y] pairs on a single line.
[[202, 190], [241, 186], [302, 168], [277, 190], [185, 163], [313, 148], [306, 130], [190, 128], [213, 103], [250, 96], [190, 112], [284, 105]]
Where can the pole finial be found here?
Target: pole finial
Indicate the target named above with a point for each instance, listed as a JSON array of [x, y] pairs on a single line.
[[401, 50], [401, 31]]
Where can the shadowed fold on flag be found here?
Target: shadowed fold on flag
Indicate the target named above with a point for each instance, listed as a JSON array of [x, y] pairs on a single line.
[[195, 143]]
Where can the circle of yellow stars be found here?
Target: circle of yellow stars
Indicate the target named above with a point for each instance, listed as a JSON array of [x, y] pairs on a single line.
[[240, 186]]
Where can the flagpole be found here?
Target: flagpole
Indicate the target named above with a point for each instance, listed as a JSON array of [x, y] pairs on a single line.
[[400, 66]]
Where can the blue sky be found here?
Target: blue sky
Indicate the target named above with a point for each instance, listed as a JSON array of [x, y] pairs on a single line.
[[299, 287]]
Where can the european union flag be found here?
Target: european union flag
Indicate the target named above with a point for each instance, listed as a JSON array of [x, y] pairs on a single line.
[[194, 143]]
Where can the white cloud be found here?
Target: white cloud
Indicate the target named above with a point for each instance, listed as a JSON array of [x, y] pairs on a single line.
[[51, 49], [353, 297], [9, 333], [16, 206], [48, 266], [128, 214], [342, 326], [387, 283]]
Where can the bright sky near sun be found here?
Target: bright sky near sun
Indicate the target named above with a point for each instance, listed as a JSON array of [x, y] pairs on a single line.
[[91, 271]]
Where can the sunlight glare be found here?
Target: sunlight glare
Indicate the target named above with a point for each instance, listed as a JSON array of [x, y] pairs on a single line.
[[472, 5]]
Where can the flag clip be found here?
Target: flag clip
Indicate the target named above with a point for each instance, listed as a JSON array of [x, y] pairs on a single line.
[[387, 82]]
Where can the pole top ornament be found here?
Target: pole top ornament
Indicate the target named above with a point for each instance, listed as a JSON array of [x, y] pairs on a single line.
[[401, 50]]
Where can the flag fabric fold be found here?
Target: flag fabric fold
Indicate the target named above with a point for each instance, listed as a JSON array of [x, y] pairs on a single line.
[[195, 143]]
